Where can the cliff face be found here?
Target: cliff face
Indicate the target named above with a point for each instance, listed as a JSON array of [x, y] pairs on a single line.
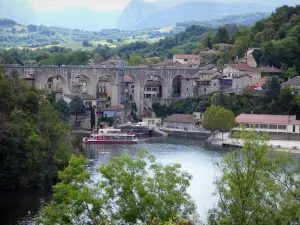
[[141, 14]]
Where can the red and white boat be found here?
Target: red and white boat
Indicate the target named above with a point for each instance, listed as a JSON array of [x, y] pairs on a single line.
[[111, 136]]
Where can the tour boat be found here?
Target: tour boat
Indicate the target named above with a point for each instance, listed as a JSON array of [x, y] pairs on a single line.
[[111, 136]]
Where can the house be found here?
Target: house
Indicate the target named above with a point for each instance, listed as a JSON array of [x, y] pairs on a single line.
[[294, 82], [87, 99], [278, 126], [240, 83], [129, 87], [181, 121], [152, 122], [112, 111], [185, 59], [152, 89]]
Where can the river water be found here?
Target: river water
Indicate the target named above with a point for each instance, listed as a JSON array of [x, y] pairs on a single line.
[[195, 156]]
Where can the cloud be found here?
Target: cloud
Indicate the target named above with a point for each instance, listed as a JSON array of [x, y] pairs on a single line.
[[98, 5]]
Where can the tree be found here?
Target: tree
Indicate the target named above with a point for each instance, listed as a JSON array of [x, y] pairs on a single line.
[[77, 108], [222, 35], [239, 48], [64, 109], [33, 136], [93, 117], [128, 192], [254, 188], [218, 118], [273, 89], [85, 43]]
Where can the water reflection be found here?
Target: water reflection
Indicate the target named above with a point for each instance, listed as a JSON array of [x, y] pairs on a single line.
[[194, 155]]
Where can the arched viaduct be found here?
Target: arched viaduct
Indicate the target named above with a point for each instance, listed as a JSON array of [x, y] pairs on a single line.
[[91, 76]]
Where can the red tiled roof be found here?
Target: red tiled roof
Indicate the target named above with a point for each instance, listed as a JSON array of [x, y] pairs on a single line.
[[245, 67], [181, 118], [182, 56], [267, 119], [293, 82], [268, 70], [127, 79], [113, 108]]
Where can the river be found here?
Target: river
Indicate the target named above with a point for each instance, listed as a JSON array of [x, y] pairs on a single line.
[[195, 156]]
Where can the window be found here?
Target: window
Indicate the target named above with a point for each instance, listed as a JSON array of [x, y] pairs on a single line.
[[153, 89], [49, 86], [148, 89], [215, 84], [144, 96], [132, 91], [254, 126], [132, 86], [158, 95], [187, 89], [153, 95], [247, 125], [273, 127], [264, 126], [282, 127], [294, 129], [130, 97]]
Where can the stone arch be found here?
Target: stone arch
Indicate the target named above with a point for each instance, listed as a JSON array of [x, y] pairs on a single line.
[[87, 84], [56, 83], [162, 83], [106, 90], [177, 86]]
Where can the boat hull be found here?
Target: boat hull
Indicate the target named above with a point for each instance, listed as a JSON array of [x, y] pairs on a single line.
[[110, 142]]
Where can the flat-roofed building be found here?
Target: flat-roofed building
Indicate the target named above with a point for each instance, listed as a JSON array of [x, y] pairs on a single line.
[[275, 125]]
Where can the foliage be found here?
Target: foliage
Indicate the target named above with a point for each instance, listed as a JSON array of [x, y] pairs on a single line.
[[128, 192], [34, 138], [64, 108], [182, 106], [77, 108], [255, 188], [218, 118], [93, 118]]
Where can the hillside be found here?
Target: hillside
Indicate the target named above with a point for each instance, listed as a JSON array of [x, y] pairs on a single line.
[[13, 34]]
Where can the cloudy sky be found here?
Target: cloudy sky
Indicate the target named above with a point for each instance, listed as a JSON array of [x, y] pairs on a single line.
[[108, 5]]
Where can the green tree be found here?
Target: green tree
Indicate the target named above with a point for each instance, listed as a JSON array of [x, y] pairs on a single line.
[[33, 136], [93, 117], [77, 108], [128, 192], [85, 43], [239, 48], [218, 118], [254, 188], [64, 108], [273, 89], [222, 35]]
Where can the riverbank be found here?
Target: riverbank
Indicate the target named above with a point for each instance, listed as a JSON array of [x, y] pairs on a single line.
[[277, 145]]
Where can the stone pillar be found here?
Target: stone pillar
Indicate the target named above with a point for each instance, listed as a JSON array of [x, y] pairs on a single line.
[[140, 106], [114, 94]]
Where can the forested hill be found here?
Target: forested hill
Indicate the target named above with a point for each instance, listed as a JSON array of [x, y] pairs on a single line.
[[278, 38], [13, 34]]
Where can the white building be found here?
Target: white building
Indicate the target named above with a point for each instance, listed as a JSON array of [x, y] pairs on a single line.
[[287, 127], [87, 99], [152, 122], [187, 59]]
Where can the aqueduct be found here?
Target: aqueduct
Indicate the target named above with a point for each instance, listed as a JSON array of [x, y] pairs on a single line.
[[90, 76]]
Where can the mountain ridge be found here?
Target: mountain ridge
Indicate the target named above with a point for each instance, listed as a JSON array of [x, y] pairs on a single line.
[[184, 11]]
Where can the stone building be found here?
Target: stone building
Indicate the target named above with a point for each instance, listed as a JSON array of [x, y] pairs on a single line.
[[185, 59]]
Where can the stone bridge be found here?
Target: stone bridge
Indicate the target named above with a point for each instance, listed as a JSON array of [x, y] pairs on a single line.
[[92, 75]]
